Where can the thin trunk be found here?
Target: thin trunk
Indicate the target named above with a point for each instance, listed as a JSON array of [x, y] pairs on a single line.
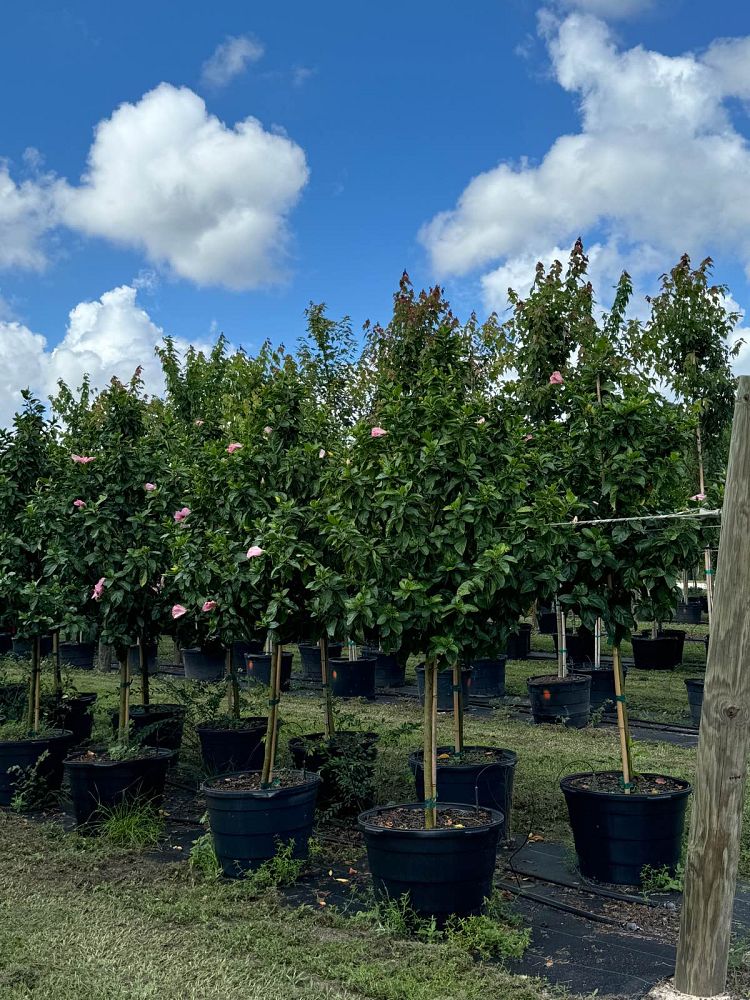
[[685, 586], [269, 757], [699, 445], [104, 658], [597, 644], [143, 664], [325, 676], [623, 726], [124, 717], [58, 671], [458, 710], [562, 652], [429, 748], [234, 685], [32, 717]]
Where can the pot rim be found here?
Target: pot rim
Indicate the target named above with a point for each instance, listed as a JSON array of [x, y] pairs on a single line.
[[308, 778], [210, 727], [444, 833], [567, 788], [417, 757], [154, 754], [540, 679], [59, 734], [464, 670]]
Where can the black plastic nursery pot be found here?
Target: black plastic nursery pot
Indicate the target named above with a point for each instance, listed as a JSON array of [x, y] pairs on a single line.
[[134, 659], [27, 754], [695, 699], [546, 620], [487, 783], [249, 824], [205, 664], [389, 672], [353, 678], [555, 699], [579, 647], [662, 653], [690, 613], [488, 679], [98, 785], [518, 645], [259, 668], [79, 655], [6, 643], [23, 647], [240, 652], [602, 686], [74, 714], [445, 871], [158, 725], [445, 687], [232, 746], [309, 653], [346, 765], [617, 835]]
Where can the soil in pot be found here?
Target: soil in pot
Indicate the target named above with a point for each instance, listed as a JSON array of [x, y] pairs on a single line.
[[134, 659], [617, 835], [662, 653], [43, 753], [579, 647], [518, 646], [79, 655], [99, 784], [22, 647], [445, 687], [346, 765], [389, 672], [444, 871], [157, 726], [232, 744], [695, 699], [479, 776], [560, 699], [602, 687], [259, 669], [248, 822], [309, 653], [487, 679], [353, 678], [74, 713], [205, 664]]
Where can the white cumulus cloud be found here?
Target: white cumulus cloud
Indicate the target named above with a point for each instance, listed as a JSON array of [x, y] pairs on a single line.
[[208, 201], [657, 163], [230, 59], [110, 336], [27, 212]]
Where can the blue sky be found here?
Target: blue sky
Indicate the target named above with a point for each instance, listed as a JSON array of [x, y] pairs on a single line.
[[373, 121]]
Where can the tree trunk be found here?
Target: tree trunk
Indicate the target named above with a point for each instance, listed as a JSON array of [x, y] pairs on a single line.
[[104, 658], [124, 715], [325, 675], [143, 664], [458, 709], [429, 751], [233, 693], [269, 758], [58, 672]]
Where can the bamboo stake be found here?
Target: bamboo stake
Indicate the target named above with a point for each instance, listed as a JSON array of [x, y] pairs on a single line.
[[597, 644], [233, 693], [716, 823], [562, 653], [429, 748], [623, 726], [124, 718], [709, 586], [269, 757], [458, 710], [56, 656], [325, 676], [36, 687], [433, 727], [143, 665]]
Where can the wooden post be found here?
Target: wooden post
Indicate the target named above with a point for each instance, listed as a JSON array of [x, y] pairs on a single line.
[[598, 644], [124, 715], [458, 710], [429, 751], [713, 850], [562, 652], [272, 729]]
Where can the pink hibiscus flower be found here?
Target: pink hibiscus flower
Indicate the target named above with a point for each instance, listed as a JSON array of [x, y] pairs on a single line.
[[149, 487], [98, 590], [180, 515], [233, 447], [556, 379], [378, 432], [82, 459], [208, 606], [253, 551], [79, 503], [178, 611]]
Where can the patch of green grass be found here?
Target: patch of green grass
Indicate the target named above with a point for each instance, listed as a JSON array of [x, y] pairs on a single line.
[[135, 826]]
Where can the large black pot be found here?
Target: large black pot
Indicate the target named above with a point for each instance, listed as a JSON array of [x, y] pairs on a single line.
[[106, 784], [689, 614], [74, 714], [247, 826], [695, 699], [134, 659], [389, 671], [6, 643], [445, 687], [488, 785], [555, 700], [346, 765], [518, 645], [258, 667], [240, 652], [227, 748], [617, 835], [22, 647], [79, 655], [488, 679], [158, 725], [205, 664], [662, 653], [602, 686], [26, 754], [579, 647], [444, 871], [13, 700], [546, 620], [310, 659], [353, 678]]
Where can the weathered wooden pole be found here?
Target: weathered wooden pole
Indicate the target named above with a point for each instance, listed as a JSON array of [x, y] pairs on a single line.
[[714, 846]]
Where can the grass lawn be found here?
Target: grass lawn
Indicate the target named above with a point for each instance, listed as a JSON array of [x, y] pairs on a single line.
[[82, 919]]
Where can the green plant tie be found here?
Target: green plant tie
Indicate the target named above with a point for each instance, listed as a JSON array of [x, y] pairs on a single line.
[[274, 701], [455, 688], [626, 784], [621, 698], [125, 684], [430, 803], [709, 572]]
